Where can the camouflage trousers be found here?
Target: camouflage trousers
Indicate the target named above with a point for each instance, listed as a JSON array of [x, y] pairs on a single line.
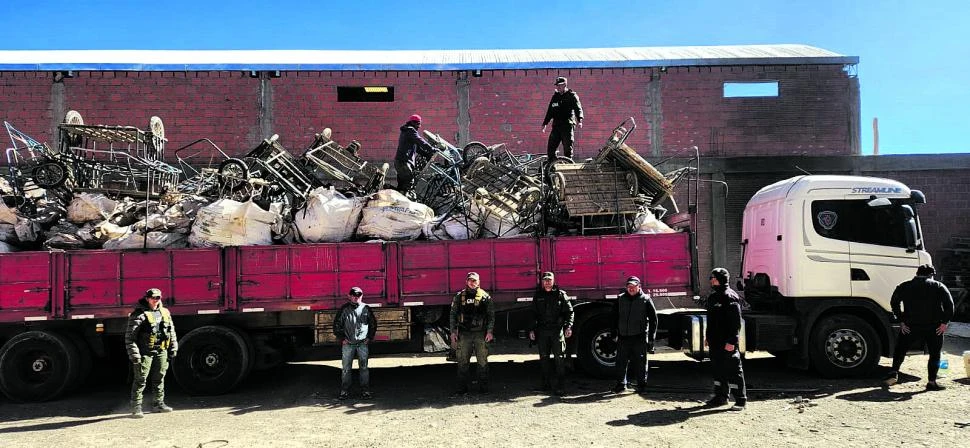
[[149, 371], [472, 342]]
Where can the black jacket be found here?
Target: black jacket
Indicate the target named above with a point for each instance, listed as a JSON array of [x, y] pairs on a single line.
[[564, 108], [551, 310], [410, 143], [635, 315], [925, 302], [723, 317], [346, 323]]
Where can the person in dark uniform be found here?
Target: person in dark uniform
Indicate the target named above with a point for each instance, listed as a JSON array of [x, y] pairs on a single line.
[[565, 111], [723, 333], [151, 343], [410, 144], [635, 327], [552, 323], [472, 321], [354, 326], [924, 308]]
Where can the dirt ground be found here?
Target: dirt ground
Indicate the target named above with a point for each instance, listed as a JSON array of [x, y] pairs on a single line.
[[296, 405]]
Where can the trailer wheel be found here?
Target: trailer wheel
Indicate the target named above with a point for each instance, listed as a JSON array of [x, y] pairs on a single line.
[[212, 360], [596, 348], [37, 366], [49, 174], [844, 346]]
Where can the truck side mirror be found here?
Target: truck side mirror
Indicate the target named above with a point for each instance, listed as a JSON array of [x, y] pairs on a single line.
[[917, 196], [910, 228]]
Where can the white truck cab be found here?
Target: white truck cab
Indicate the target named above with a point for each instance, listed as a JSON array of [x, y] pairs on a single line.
[[834, 236], [822, 256]]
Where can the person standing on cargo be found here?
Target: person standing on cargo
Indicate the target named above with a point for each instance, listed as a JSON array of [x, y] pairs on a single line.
[[151, 342], [354, 326], [410, 144], [723, 334], [472, 321], [552, 323], [924, 308], [635, 325], [565, 111]]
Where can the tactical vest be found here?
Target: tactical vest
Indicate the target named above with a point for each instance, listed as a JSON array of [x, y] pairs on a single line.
[[159, 336], [471, 315]]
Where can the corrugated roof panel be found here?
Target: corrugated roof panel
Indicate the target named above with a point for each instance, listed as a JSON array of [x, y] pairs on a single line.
[[198, 60]]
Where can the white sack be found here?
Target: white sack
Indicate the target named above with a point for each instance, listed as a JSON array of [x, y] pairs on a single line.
[[647, 222], [156, 240], [392, 216], [328, 217], [90, 207], [231, 223]]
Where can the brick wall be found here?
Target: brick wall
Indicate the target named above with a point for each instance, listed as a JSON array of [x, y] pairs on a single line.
[[810, 116], [947, 201]]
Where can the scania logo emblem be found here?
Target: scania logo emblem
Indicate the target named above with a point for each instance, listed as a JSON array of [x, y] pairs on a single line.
[[827, 219]]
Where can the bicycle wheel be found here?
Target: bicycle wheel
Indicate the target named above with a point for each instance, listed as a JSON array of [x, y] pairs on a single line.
[[233, 174], [474, 150]]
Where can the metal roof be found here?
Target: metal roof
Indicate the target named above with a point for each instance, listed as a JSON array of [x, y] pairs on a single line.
[[373, 60]]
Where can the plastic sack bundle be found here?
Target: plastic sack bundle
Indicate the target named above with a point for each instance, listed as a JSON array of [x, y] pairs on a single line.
[[155, 240], [90, 207], [392, 216], [231, 223], [647, 222], [328, 217]]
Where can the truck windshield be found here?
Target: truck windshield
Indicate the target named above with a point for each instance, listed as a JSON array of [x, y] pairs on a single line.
[[855, 221]]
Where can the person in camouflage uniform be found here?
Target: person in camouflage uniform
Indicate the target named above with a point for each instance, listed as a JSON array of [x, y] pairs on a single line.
[[552, 323], [472, 322], [151, 342]]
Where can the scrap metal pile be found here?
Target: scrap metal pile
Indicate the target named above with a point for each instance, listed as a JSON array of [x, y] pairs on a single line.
[[109, 187]]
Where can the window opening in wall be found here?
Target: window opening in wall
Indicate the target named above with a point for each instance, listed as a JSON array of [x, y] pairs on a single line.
[[750, 89], [365, 94]]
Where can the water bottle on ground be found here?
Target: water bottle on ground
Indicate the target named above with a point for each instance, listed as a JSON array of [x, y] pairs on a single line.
[[944, 367]]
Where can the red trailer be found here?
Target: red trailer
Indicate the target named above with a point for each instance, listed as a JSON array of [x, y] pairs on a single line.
[[244, 308]]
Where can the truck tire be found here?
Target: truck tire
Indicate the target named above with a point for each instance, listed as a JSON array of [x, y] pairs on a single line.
[[212, 360], [596, 348], [844, 346], [85, 360], [37, 366]]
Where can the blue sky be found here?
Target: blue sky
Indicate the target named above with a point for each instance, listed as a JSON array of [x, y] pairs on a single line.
[[914, 65]]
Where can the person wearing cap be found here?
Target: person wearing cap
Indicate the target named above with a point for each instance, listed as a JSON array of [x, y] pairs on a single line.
[[723, 334], [924, 308], [151, 343], [635, 327], [472, 320], [552, 323], [410, 145], [354, 326], [565, 111]]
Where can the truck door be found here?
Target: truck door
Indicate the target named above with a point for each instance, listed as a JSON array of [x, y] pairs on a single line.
[[880, 256], [824, 272]]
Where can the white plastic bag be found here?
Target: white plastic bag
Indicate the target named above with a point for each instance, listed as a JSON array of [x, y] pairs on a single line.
[[90, 207], [496, 221], [328, 217], [646, 222], [156, 240], [231, 223], [7, 214], [392, 216]]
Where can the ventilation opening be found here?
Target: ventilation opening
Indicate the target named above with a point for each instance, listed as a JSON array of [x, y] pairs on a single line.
[[369, 94], [751, 89]]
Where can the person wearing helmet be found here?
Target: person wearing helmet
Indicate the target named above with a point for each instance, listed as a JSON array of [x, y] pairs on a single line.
[[565, 111], [151, 343], [723, 334], [410, 144]]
